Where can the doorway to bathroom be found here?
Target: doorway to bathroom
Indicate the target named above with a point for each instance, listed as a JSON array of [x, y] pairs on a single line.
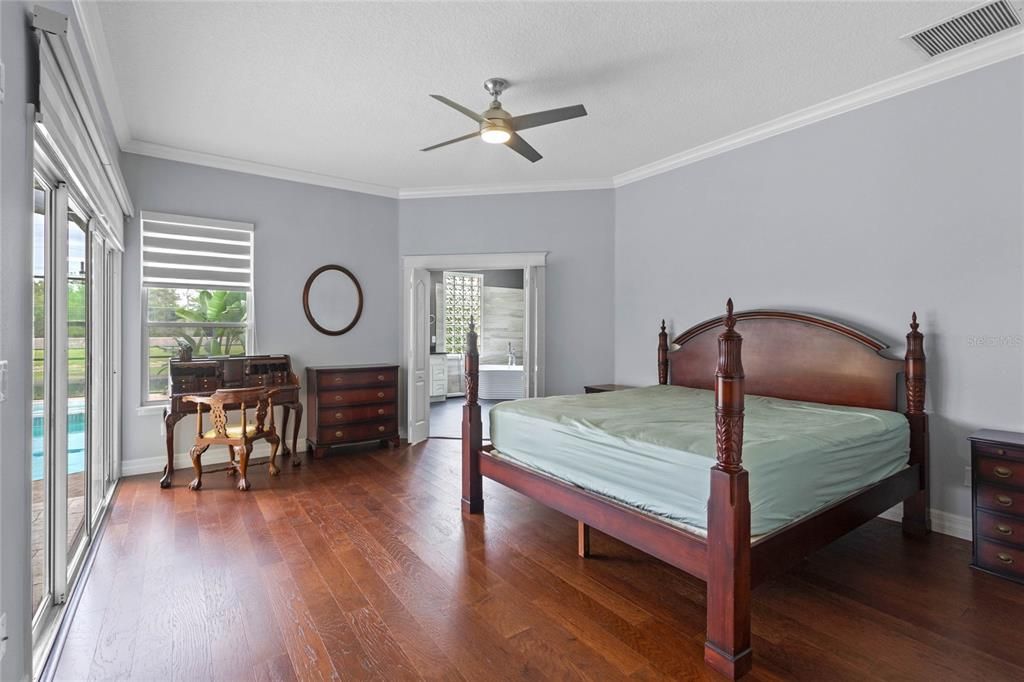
[[493, 301], [502, 295]]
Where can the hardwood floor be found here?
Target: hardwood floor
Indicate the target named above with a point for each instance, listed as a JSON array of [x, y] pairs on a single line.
[[446, 417], [361, 566]]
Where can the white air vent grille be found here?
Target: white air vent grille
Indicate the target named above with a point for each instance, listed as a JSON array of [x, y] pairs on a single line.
[[966, 28]]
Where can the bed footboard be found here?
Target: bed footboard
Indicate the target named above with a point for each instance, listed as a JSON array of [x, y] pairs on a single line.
[[727, 648]]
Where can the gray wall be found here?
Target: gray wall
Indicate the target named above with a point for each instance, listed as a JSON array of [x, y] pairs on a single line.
[[914, 203], [298, 228], [509, 279], [575, 228]]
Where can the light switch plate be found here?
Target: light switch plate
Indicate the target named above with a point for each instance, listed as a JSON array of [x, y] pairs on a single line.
[[3, 380], [3, 635], [967, 475]]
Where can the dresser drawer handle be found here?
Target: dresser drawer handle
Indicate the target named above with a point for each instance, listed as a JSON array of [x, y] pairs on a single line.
[[1004, 530], [339, 434], [1005, 558], [380, 394], [338, 398], [339, 380], [1000, 451], [380, 411], [338, 415], [1002, 472], [380, 377], [1004, 500], [380, 428]]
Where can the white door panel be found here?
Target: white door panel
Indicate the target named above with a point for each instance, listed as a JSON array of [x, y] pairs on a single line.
[[418, 356]]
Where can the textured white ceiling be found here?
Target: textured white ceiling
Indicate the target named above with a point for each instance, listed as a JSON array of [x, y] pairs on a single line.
[[340, 89]]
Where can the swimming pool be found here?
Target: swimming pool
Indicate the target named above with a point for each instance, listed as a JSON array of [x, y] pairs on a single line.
[[76, 437]]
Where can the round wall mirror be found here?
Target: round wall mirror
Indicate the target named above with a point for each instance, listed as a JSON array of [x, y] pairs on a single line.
[[332, 300]]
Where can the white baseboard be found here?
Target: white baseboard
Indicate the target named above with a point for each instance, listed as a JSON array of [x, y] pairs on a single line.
[[215, 455], [942, 522]]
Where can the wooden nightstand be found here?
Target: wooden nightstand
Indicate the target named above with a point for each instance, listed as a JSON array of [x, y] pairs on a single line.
[[604, 388], [997, 486]]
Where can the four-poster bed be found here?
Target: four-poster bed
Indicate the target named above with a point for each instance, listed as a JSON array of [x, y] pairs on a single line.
[[788, 356]]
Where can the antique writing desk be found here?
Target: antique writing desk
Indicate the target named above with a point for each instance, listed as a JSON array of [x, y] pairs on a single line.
[[206, 375]]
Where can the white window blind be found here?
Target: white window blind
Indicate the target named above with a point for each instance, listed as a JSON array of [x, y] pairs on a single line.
[[193, 253]]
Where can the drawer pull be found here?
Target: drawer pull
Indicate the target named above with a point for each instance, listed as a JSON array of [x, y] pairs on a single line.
[[380, 428], [338, 415], [1000, 451], [1004, 500], [338, 398], [339, 434], [1002, 472], [1005, 558], [339, 380], [380, 394], [1004, 530], [380, 411], [380, 377]]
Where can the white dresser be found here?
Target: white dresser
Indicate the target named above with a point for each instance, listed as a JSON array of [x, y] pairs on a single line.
[[438, 377]]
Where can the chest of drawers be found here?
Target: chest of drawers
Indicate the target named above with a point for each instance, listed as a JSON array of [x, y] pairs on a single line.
[[997, 468], [351, 404]]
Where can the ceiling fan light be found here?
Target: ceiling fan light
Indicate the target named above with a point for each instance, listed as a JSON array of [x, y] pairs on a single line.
[[495, 135]]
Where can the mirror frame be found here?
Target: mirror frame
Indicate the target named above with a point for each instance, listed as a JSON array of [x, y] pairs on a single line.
[[305, 300]]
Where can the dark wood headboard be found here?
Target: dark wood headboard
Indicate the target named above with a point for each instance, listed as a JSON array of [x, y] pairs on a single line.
[[790, 355]]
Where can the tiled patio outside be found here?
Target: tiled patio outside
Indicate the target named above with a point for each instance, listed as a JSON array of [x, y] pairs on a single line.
[[76, 525]]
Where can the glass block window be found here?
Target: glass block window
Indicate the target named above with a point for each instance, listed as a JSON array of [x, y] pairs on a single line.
[[463, 292]]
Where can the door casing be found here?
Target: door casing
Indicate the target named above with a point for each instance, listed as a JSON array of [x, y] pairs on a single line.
[[416, 317]]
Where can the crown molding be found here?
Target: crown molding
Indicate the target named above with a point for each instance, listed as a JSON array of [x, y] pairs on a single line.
[[515, 188], [255, 168], [937, 70], [956, 64], [91, 28]]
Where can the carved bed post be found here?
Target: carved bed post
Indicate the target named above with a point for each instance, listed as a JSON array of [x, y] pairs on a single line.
[[917, 509], [472, 432], [663, 355], [727, 648]]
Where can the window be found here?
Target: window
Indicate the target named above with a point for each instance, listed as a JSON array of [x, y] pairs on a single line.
[[197, 292], [462, 294]]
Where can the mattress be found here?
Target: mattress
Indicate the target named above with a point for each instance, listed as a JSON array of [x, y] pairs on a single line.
[[651, 448]]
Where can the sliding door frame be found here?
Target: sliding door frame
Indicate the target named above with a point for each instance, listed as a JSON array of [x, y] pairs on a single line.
[[102, 390]]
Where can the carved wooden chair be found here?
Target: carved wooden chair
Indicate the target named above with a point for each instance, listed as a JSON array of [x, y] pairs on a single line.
[[238, 439]]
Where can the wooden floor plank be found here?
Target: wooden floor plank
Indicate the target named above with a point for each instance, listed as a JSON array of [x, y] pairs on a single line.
[[362, 566]]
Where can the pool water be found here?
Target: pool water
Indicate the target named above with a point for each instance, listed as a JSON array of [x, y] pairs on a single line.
[[76, 438]]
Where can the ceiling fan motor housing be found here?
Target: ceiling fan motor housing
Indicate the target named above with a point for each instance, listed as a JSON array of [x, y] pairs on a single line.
[[495, 119]]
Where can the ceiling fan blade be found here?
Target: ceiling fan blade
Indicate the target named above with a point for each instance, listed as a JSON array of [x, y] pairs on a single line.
[[471, 135], [458, 107], [523, 147], [543, 118]]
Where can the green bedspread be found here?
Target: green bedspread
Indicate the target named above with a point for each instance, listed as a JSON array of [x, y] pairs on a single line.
[[651, 448]]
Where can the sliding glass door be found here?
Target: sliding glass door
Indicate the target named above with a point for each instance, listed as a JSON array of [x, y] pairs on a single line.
[[42, 199], [75, 387], [77, 379]]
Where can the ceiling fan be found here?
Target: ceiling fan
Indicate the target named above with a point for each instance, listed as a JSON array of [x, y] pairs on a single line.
[[497, 126]]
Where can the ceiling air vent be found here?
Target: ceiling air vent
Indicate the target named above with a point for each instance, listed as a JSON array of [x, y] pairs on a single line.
[[966, 28]]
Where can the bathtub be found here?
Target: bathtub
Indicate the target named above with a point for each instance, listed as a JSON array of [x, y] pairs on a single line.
[[501, 382]]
